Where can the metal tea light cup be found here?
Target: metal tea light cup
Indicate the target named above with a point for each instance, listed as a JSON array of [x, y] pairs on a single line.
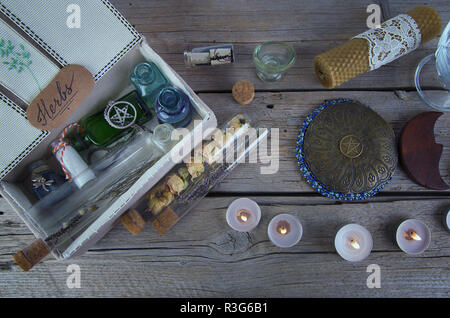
[[273, 59]]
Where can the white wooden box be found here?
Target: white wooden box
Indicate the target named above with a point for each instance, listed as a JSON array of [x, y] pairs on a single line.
[[108, 46]]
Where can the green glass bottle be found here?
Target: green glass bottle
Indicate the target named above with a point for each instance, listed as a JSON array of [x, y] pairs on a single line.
[[96, 130]]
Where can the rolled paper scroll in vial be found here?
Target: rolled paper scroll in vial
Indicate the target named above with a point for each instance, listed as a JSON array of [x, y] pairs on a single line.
[[365, 52]]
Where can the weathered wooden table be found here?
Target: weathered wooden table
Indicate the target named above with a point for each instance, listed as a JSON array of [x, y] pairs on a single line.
[[202, 256]]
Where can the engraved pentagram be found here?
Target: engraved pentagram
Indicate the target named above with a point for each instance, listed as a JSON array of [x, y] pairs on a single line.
[[121, 114], [351, 147]]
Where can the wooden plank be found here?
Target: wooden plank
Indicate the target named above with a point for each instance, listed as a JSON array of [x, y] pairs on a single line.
[[312, 27], [287, 111], [203, 257]]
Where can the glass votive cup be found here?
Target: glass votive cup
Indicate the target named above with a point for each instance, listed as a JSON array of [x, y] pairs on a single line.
[[272, 59]]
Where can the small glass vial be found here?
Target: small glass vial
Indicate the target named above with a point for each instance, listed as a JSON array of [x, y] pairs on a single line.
[[162, 136], [43, 179], [148, 81], [172, 106], [211, 55]]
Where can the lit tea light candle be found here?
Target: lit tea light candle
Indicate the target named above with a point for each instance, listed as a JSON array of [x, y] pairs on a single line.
[[413, 237], [353, 242], [447, 220], [243, 215], [285, 230]]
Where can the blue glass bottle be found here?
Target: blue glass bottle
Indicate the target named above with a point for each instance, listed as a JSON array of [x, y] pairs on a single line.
[[148, 80], [172, 106]]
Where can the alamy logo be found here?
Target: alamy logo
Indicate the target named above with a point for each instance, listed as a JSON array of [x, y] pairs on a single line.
[[374, 279], [374, 19], [74, 279], [74, 18]]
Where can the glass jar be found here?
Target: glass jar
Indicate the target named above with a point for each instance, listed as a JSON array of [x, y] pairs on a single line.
[[189, 182]]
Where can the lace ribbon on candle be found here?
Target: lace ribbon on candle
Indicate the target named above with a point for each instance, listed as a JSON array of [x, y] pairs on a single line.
[[61, 144], [395, 38]]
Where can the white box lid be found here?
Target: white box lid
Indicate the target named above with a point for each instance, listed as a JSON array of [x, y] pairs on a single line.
[[103, 38]]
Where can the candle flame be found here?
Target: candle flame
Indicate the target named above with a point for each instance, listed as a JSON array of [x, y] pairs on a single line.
[[283, 227], [243, 215], [412, 235], [355, 244]]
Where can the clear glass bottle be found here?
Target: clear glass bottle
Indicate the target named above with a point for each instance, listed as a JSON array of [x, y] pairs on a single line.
[[148, 81], [97, 131], [187, 183], [62, 218], [172, 106]]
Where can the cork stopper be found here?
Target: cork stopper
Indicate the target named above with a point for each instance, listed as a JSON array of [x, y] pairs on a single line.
[[165, 220], [243, 92], [133, 222], [31, 255]]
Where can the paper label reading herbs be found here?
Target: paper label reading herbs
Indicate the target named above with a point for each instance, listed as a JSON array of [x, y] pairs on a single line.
[[61, 97]]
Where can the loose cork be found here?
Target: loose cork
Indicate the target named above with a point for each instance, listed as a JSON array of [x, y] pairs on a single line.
[[133, 222], [165, 220], [31, 255], [351, 58], [243, 92]]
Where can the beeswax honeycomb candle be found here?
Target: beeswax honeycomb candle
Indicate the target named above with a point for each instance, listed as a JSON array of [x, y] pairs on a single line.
[[376, 47]]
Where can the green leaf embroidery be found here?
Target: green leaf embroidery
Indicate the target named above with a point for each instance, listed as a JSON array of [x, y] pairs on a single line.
[[19, 59]]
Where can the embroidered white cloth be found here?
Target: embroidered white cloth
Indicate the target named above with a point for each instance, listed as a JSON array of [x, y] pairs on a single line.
[[395, 38], [17, 136], [23, 69]]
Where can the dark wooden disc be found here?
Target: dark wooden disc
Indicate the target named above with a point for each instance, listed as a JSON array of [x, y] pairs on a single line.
[[419, 152]]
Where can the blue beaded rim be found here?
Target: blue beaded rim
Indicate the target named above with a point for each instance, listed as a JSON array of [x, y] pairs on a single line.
[[308, 175]]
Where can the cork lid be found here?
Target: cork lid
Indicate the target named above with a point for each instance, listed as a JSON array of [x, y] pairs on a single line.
[[243, 92]]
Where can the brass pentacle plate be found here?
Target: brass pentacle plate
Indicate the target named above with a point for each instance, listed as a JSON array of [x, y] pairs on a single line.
[[346, 151]]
